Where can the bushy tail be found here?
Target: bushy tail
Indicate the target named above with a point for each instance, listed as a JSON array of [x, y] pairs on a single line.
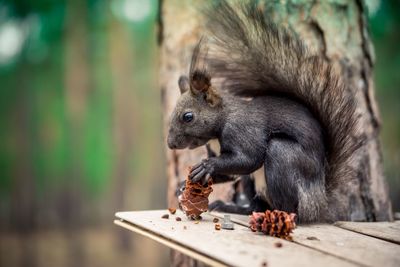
[[253, 56]]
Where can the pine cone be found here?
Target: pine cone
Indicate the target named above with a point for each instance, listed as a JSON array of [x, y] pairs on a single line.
[[274, 223], [194, 199]]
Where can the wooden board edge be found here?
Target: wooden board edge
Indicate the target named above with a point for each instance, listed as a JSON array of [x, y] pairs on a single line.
[[169, 243]]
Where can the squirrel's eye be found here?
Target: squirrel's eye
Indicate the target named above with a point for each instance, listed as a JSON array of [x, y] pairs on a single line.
[[187, 117]]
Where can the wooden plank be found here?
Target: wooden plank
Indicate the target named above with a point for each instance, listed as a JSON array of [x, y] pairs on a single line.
[[349, 245], [169, 243], [389, 231], [239, 247], [342, 243]]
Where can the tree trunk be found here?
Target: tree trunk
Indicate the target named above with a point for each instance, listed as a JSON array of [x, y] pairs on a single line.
[[337, 30]]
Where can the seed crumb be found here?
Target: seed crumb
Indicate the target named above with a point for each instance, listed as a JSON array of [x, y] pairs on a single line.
[[278, 244], [215, 220], [218, 226], [172, 210], [165, 216], [178, 219]]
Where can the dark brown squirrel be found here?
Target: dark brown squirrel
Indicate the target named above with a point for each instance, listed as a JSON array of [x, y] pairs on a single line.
[[276, 105]]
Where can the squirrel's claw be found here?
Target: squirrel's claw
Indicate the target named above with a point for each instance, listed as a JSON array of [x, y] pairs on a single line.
[[201, 172], [199, 176], [206, 178], [196, 169]]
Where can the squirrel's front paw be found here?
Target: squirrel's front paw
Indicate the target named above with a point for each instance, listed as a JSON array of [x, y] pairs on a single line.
[[201, 172]]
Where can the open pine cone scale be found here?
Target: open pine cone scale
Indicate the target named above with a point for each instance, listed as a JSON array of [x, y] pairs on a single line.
[[274, 223]]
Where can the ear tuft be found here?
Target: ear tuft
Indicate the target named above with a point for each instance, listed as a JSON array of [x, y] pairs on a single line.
[[183, 84], [200, 81]]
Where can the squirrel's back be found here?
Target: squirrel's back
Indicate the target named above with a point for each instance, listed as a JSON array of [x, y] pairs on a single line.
[[274, 115]]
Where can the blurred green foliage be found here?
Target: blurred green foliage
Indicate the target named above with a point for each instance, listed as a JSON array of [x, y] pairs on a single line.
[[58, 103], [80, 134]]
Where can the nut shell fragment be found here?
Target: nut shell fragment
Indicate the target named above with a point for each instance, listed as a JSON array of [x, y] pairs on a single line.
[[172, 210]]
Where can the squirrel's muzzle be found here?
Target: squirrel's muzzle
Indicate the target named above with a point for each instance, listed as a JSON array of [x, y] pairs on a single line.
[[173, 141], [171, 145], [170, 142], [177, 141]]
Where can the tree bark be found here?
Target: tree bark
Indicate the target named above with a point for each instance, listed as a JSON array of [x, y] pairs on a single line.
[[337, 30]]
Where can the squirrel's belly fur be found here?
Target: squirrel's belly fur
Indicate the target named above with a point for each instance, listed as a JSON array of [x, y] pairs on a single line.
[[298, 119]]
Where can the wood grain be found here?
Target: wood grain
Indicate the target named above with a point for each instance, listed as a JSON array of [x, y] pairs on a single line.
[[344, 244], [389, 231], [239, 247]]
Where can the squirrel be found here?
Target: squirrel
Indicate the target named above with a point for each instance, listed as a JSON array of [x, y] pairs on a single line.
[[277, 105]]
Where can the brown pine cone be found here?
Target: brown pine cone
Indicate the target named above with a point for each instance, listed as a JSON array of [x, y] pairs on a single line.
[[274, 223], [194, 199]]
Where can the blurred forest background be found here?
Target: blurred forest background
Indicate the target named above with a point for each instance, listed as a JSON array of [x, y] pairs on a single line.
[[80, 127]]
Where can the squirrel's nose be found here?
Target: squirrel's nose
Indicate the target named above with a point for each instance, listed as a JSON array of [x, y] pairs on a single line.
[[170, 142], [171, 146]]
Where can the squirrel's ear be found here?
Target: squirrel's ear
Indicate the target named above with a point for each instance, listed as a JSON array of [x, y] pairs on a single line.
[[200, 81], [183, 84]]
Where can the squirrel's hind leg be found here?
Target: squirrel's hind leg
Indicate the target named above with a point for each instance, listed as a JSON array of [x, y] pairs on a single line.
[[245, 199], [295, 179], [221, 206], [257, 205]]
